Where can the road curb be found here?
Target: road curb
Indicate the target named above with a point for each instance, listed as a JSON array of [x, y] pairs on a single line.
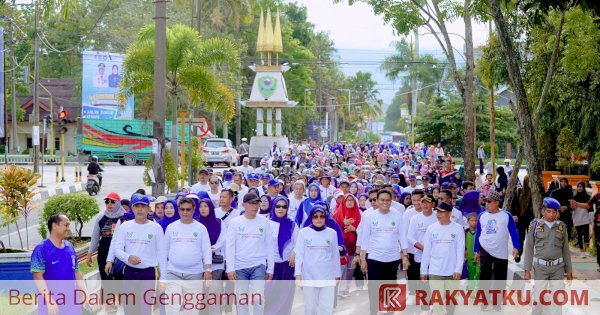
[[72, 188]]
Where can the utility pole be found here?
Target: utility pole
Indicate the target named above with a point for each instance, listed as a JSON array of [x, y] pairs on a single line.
[[13, 89], [35, 134], [238, 109], [160, 95], [492, 124], [413, 87]]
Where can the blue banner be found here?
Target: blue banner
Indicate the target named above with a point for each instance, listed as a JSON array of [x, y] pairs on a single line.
[[100, 85]]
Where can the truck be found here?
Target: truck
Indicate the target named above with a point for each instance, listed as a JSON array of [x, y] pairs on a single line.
[[127, 141]]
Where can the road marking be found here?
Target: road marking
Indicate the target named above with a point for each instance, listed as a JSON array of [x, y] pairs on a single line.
[[20, 230]]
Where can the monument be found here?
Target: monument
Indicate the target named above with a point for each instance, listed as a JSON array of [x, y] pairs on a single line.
[[269, 93]]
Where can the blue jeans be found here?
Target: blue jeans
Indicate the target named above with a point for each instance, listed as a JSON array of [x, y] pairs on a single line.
[[251, 281]]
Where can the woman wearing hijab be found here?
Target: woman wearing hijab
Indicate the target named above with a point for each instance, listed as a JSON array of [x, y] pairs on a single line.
[[317, 267], [362, 202], [347, 216], [265, 206], [104, 229], [253, 190], [196, 198], [171, 214], [216, 235], [470, 204], [398, 193], [522, 210], [314, 195], [405, 200], [285, 232], [502, 181], [581, 219]]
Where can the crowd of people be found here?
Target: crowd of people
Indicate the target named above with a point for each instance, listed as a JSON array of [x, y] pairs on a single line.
[[317, 214]]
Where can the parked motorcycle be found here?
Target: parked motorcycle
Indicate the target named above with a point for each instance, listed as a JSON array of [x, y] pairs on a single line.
[[93, 184]]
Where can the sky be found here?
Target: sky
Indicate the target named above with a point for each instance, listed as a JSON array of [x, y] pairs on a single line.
[[363, 40], [357, 27]]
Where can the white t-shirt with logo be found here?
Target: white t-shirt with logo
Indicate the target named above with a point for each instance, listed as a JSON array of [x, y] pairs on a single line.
[[249, 243], [381, 236], [416, 230], [188, 247], [443, 249], [317, 257], [145, 241]]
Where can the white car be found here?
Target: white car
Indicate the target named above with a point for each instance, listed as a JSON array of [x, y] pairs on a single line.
[[220, 151]]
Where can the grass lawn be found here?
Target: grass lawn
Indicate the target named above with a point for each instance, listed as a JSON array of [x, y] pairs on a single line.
[[85, 269]]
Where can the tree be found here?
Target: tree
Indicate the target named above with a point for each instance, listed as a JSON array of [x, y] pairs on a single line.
[[79, 208], [365, 97], [537, 12], [407, 16], [16, 192], [191, 81]]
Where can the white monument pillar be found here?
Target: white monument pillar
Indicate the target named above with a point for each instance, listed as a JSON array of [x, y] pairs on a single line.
[[269, 122], [278, 122], [259, 122]]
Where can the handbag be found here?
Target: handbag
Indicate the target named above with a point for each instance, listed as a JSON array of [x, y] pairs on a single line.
[[217, 259], [117, 268]]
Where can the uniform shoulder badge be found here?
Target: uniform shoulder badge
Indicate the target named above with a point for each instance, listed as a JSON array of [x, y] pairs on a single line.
[[540, 228], [561, 227]]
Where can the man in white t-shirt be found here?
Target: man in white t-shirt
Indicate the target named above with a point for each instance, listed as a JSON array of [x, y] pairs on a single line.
[[202, 184], [381, 241], [443, 255], [245, 168], [189, 255], [296, 199], [250, 245], [139, 243]]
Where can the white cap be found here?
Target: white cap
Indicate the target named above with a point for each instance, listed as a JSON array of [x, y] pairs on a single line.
[[506, 160], [244, 139]]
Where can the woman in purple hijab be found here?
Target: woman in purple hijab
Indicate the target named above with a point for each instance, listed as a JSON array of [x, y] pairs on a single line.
[[171, 214], [470, 203], [216, 234], [280, 294]]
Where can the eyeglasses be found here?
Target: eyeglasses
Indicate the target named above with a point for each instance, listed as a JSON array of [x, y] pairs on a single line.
[[107, 201], [372, 199], [281, 207], [318, 216], [186, 209]]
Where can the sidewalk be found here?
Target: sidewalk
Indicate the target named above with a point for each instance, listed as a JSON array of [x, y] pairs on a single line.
[[52, 188], [584, 267]]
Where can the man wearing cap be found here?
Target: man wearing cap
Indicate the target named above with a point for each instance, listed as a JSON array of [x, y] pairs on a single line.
[[273, 188], [547, 252], [395, 179], [417, 226], [426, 186], [494, 227], [245, 168], [104, 230], [243, 150], [249, 250], [412, 184], [139, 243], [202, 184], [507, 168], [443, 254]]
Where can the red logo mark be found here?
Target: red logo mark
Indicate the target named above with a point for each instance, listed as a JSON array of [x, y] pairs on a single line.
[[392, 297]]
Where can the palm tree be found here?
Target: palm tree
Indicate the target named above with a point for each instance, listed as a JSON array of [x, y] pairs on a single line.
[[222, 13], [365, 98], [191, 80]]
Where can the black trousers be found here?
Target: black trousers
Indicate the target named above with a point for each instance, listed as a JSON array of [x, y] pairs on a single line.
[[377, 272], [492, 268], [413, 274], [480, 166]]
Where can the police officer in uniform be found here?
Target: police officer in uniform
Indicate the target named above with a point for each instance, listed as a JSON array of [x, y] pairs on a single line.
[[547, 251]]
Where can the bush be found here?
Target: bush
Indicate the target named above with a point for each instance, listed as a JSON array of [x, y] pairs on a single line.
[[16, 192], [79, 208], [198, 159]]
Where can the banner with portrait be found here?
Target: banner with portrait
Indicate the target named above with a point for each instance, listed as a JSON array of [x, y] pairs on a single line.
[[100, 85]]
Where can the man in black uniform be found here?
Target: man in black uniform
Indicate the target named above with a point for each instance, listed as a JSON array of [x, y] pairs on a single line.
[[95, 169]]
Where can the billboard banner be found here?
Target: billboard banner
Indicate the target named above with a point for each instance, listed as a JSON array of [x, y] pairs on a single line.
[[100, 85]]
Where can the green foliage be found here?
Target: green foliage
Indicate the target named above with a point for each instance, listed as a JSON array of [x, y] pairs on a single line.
[[372, 137], [491, 66], [441, 122], [171, 171], [16, 191], [198, 158], [78, 207], [565, 148], [350, 136], [189, 69], [596, 162]]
